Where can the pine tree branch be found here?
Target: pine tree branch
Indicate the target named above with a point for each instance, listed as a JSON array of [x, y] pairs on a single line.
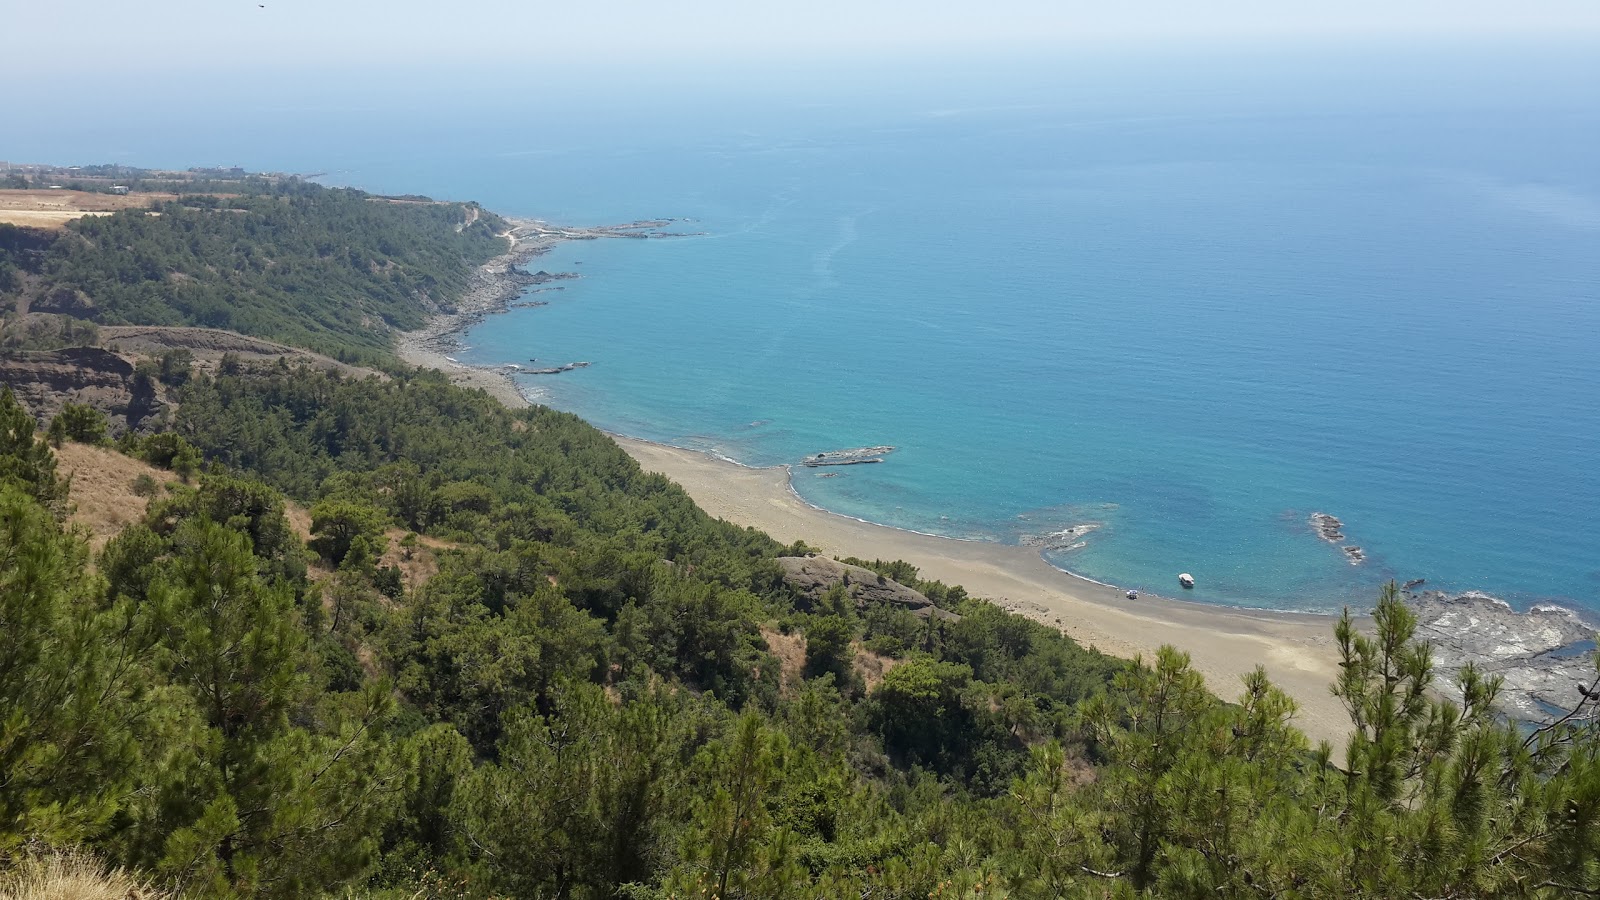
[[1569, 888]]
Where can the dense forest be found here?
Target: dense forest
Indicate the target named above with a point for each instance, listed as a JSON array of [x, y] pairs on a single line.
[[335, 271], [584, 700], [384, 637]]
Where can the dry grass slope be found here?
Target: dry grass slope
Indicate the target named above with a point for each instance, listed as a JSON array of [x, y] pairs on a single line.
[[53, 209], [418, 565], [790, 649], [74, 875], [870, 667], [102, 488]]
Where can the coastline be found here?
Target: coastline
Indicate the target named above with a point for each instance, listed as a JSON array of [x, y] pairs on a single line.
[[1224, 643], [496, 285], [1539, 653]]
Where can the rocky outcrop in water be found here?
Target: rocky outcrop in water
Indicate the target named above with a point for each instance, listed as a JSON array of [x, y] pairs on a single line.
[[1543, 654], [814, 575], [854, 457], [543, 277], [1065, 539], [557, 370], [1331, 530]]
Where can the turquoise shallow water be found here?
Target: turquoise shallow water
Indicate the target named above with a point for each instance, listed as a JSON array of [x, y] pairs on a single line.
[[1188, 312], [1192, 332], [1194, 356]]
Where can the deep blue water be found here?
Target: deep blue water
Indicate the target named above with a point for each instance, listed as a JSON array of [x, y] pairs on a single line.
[[1190, 310]]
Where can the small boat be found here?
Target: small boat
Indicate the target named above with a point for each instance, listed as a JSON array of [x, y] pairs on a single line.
[[1186, 580], [1133, 595]]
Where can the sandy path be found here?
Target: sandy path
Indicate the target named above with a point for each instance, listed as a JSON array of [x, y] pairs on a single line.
[[1297, 650]]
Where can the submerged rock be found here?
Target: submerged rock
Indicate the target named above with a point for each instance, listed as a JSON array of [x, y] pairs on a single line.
[[557, 370], [814, 575]]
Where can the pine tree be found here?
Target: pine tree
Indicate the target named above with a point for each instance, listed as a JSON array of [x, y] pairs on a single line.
[[26, 461], [1166, 704], [249, 802], [732, 847], [68, 689], [578, 802]]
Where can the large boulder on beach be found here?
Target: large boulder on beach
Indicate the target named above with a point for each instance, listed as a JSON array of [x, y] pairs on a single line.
[[813, 576]]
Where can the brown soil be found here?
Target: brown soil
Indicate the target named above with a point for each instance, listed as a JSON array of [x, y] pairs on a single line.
[[790, 649], [299, 520], [102, 489], [424, 561], [209, 344], [871, 667]]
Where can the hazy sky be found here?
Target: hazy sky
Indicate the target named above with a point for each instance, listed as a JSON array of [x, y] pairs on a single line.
[[203, 34]]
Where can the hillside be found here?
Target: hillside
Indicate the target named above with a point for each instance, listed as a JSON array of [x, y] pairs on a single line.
[[53, 209], [310, 630], [330, 270], [110, 490]]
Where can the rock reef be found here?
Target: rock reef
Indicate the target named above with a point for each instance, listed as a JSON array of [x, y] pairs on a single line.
[[853, 457], [1331, 530], [557, 370], [1065, 539], [812, 576]]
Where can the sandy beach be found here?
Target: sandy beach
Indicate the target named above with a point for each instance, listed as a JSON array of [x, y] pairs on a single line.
[[1224, 643]]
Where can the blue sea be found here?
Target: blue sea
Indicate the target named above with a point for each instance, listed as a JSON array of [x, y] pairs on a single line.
[[1186, 299]]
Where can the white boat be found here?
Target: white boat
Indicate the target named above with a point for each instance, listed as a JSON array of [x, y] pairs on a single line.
[[1186, 580]]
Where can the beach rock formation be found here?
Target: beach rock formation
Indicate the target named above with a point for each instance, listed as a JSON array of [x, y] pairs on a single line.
[[1543, 654], [543, 277], [1065, 539], [1331, 530], [557, 370], [853, 457], [814, 575]]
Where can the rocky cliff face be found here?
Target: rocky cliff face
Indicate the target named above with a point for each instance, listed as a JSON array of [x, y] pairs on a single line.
[[45, 381], [814, 575]]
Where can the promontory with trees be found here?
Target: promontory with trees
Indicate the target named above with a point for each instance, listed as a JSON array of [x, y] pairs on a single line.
[[371, 634]]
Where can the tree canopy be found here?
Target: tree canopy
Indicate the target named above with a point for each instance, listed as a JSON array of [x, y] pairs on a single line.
[[332, 270], [388, 638]]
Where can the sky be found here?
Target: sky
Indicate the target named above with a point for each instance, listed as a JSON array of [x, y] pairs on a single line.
[[202, 35]]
